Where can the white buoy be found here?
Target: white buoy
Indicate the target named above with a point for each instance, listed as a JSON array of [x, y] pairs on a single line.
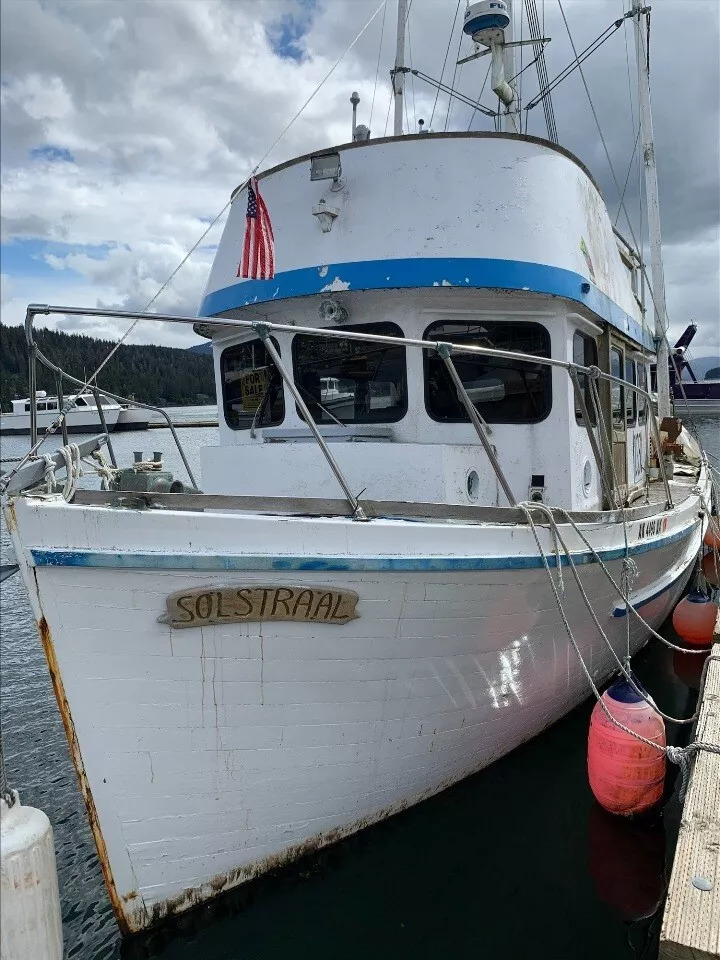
[[30, 921]]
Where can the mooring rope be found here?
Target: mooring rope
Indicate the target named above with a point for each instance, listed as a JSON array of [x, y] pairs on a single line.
[[682, 756]]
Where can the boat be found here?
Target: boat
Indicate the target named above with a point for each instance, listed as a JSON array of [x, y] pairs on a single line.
[[132, 417], [82, 418], [692, 397], [428, 523]]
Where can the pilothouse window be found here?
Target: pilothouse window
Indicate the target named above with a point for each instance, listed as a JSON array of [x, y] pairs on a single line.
[[350, 381], [252, 387], [584, 355], [503, 390]]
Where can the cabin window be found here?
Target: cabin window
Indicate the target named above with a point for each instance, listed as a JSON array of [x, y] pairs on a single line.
[[252, 388], [27, 408], [42, 406], [585, 355], [502, 390], [349, 381], [630, 395], [80, 402], [617, 391]]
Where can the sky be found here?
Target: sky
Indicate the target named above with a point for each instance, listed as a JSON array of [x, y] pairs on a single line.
[[126, 124]]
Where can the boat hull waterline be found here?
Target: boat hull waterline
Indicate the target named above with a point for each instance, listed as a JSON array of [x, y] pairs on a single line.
[[214, 753]]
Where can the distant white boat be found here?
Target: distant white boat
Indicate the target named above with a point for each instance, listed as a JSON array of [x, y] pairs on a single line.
[[83, 418]]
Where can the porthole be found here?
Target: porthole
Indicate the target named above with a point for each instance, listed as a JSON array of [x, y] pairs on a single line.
[[473, 485]]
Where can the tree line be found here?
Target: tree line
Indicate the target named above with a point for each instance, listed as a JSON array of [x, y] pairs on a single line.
[[166, 376]]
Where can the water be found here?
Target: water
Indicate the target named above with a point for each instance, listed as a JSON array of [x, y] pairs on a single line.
[[517, 861]]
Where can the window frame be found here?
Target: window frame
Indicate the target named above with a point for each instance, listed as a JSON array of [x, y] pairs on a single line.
[[427, 333], [630, 395], [223, 385], [391, 330], [583, 379], [620, 422]]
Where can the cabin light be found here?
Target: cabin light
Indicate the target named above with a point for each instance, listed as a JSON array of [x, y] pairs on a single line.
[[326, 167]]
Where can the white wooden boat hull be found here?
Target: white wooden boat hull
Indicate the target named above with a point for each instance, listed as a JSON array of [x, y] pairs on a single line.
[[208, 756]]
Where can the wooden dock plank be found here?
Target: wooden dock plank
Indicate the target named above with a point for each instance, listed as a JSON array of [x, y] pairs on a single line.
[[691, 925]]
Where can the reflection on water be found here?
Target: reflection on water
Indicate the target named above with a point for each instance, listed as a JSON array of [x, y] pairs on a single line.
[[517, 861]]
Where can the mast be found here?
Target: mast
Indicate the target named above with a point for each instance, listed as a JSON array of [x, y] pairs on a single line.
[[399, 78], [509, 120], [653, 210]]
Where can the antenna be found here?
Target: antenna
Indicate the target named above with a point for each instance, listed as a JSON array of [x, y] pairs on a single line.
[[354, 100]]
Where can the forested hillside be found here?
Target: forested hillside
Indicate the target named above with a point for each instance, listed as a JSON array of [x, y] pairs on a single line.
[[163, 375]]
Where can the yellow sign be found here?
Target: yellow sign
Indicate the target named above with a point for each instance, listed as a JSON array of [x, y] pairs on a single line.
[[207, 606], [253, 387]]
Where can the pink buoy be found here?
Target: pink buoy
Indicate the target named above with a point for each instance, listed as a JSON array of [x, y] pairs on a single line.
[[712, 536], [694, 619], [626, 775], [711, 568]]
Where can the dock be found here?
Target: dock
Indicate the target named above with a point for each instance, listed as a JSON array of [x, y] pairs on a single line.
[[161, 424], [691, 924]]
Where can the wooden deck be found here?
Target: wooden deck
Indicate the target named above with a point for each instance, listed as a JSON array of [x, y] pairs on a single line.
[[691, 925]]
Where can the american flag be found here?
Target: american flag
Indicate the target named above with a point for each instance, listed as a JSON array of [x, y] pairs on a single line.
[[258, 254]]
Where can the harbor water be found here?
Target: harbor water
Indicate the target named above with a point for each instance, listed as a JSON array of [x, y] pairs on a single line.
[[517, 861]]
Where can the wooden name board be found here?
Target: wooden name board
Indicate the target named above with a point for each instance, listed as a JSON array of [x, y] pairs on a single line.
[[207, 606]]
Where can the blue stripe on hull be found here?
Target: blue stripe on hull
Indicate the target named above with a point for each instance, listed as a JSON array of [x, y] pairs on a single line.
[[464, 272], [621, 611], [194, 561]]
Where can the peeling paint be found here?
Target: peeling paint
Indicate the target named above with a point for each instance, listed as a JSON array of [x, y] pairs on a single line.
[[323, 271], [64, 707], [335, 286]]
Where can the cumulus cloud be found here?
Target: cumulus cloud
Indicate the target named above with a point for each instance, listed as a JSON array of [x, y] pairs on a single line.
[[126, 126]]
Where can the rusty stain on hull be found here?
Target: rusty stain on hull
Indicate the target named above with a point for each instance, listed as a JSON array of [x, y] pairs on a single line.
[[192, 897], [64, 707]]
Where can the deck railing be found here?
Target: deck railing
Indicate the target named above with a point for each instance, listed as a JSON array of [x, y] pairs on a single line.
[[444, 349]]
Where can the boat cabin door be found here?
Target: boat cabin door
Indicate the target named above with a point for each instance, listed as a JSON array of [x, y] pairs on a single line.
[[618, 418]]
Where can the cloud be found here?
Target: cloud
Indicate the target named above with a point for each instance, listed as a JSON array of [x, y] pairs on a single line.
[[126, 129]]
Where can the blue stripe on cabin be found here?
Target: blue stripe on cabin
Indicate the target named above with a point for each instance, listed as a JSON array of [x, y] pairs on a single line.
[[261, 563], [467, 272]]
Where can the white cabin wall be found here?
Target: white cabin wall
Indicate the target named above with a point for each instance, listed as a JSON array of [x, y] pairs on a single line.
[[405, 469]]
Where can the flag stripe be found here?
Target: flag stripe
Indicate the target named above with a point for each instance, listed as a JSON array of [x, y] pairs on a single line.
[[258, 252]]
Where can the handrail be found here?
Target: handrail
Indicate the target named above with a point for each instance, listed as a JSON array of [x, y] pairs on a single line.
[[33, 349], [266, 327]]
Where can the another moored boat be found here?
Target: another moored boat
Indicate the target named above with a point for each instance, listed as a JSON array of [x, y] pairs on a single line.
[[82, 418]]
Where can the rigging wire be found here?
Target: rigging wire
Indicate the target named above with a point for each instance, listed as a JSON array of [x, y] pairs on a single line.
[[447, 51], [54, 426], [482, 90], [452, 85], [377, 68], [412, 76], [614, 176], [579, 58], [539, 51], [627, 178]]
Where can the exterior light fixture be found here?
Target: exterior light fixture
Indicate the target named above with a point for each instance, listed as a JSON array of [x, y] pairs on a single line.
[[326, 167]]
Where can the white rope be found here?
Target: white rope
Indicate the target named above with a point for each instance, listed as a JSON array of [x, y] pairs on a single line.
[[103, 469], [682, 756], [49, 473]]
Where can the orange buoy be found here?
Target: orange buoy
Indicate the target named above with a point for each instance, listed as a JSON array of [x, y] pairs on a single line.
[[626, 775], [711, 568], [712, 534], [694, 619], [688, 667]]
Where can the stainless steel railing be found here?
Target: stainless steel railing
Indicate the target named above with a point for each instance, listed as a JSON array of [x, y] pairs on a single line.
[[444, 349]]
